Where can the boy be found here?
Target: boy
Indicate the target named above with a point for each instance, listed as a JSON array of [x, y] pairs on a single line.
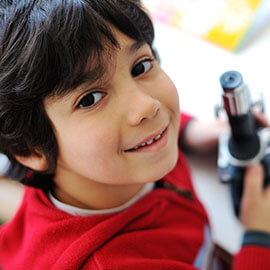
[[85, 106]]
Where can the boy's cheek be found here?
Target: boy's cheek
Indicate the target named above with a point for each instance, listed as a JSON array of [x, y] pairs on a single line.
[[171, 94]]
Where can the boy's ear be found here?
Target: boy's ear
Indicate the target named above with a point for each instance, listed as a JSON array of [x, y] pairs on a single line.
[[36, 161]]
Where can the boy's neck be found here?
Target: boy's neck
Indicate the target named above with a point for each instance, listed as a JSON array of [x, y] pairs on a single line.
[[96, 196]]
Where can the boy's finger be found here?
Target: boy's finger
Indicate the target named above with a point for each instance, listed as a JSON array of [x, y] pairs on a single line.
[[261, 119], [253, 183]]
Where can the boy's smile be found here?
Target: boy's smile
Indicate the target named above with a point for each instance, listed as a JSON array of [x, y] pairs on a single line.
[[153, 143], [118, 133]]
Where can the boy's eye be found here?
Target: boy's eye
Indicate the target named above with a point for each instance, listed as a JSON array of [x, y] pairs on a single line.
[[90, 99], [142, 67]]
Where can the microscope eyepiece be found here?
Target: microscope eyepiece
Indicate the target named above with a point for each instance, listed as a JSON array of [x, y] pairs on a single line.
[[244, 142], [231, 80], [236, 98]]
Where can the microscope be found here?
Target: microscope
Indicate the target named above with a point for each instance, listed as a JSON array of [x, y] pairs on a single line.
[[245, 144]]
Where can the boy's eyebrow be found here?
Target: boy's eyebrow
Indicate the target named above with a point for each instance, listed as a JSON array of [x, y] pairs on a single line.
[[89, 77], [136, 46]]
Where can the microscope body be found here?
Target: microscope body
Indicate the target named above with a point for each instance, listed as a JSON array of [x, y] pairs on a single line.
[[245, 144], [231, 170]]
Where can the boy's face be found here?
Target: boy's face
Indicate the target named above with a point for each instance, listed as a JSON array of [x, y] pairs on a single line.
[[99, 126]]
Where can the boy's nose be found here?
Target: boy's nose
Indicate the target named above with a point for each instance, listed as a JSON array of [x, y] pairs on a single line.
[[140, 107]]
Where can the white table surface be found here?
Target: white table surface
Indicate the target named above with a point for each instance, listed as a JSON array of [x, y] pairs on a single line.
[[195, 67]]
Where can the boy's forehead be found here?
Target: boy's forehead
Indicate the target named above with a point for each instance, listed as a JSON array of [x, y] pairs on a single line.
[[128, 44]]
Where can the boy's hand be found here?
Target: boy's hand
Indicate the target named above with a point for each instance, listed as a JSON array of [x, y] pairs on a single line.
[[203, 137], [255, 206]]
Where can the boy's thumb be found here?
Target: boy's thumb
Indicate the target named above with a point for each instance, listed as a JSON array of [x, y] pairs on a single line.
[[253, 180]]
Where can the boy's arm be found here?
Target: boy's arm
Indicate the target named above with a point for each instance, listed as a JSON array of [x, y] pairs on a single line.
[[202, 136], [11, 194], [199, 136], [255, 216]]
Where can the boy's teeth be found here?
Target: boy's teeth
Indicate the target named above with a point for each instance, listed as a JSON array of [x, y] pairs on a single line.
[[149, 142]]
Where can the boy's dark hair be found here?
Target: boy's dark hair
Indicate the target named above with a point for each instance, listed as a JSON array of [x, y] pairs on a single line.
[[44, 48]]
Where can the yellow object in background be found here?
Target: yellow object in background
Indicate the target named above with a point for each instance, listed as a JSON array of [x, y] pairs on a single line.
[[234, 23], [226, 23]]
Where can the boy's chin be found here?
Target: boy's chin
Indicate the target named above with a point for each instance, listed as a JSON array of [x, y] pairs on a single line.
[[172, 164], [166, 168]]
